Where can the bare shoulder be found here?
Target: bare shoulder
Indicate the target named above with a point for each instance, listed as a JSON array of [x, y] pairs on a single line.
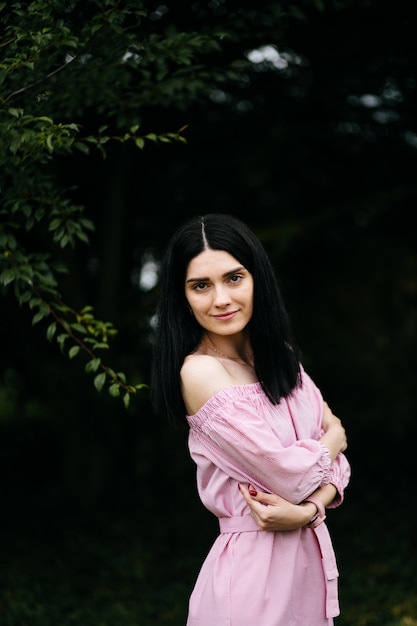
[[197, 368], [202, 376]]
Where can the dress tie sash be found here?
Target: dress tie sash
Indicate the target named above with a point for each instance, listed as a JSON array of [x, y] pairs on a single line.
[[238, 524]]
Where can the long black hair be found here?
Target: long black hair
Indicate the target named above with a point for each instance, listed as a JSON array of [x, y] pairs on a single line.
[[178, 334]]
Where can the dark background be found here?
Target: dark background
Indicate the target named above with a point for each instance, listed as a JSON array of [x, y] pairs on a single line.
[[100, 520]]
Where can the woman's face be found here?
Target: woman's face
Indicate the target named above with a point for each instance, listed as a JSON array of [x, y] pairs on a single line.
[[219, 291]]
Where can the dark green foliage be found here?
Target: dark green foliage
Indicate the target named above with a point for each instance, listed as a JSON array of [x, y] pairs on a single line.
[[53, 54], [128, 118]]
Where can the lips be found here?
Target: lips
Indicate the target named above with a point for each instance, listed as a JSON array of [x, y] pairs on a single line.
[[225, 316]]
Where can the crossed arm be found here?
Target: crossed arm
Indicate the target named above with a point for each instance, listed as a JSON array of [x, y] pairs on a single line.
[[273, 513]]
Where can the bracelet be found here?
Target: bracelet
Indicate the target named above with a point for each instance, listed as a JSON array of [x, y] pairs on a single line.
[[320, 516]]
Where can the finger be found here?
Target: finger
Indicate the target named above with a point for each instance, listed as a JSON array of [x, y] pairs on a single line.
[[245, 493], [266, 498], [251, 495], [250, 500], [262, 496]]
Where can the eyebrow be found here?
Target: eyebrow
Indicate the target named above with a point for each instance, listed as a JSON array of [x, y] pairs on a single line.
[[206, 278]]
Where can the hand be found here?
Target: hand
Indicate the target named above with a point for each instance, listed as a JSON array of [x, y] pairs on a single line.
[[271, 512]]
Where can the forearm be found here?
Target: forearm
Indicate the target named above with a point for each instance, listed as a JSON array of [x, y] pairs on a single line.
[[325, 494], [334, 436], [273, 513], [281, 515], [335, 440]]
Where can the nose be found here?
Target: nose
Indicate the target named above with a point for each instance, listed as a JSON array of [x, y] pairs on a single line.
[[221, 296]]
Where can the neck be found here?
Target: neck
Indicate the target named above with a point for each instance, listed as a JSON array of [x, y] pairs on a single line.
[[242, 353]]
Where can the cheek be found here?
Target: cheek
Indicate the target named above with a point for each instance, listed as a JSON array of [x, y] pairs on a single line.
[[249, 295], [195, 302], [189, 295]]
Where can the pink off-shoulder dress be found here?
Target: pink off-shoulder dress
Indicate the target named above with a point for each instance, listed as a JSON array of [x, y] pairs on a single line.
[[252, 577]]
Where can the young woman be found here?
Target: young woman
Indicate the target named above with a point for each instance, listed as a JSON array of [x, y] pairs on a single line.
[[268, 450]]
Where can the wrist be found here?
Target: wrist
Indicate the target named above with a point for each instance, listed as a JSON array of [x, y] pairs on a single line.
[[320, 514], [309, 511]]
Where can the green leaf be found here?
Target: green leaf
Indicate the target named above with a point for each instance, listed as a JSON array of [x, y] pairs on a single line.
[[99, 381], [34, 302], [7, 277], [139, 142], [59, 267], [82, 237], [44, 118], [114, 390], [61, 340], [126, 399], [87, 223], [64, 241], [82, 147], [55, 223], [16, 112], [92, 366], [23, 297], [121, 376], [50, 331], [73, 351], [49, 143], [79, 328], [39, 316]]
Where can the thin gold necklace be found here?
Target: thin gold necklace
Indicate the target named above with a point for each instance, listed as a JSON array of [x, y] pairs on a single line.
[[225, 356]]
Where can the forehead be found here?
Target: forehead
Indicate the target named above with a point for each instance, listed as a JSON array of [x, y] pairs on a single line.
[[211, 262]]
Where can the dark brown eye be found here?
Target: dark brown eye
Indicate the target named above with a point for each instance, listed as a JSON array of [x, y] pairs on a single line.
[[199, 286]]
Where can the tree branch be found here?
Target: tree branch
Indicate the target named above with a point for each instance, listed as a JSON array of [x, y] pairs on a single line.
[[37, 82]]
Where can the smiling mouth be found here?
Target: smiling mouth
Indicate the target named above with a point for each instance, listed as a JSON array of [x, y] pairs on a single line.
[[224, 316]]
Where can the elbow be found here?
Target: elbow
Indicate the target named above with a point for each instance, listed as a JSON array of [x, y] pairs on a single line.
[[305, 487], [298, 493]]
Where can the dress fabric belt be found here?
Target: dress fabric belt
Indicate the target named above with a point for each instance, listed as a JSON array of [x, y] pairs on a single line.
[[245, 523], [238, 524]]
